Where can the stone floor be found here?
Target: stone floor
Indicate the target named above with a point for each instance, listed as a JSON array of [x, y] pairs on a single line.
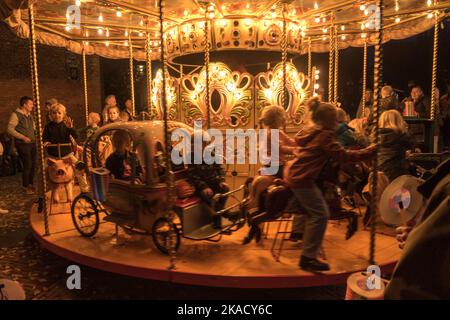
[[43, 274]]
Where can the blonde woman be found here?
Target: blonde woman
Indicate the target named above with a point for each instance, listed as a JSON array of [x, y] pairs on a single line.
[[394, 143]]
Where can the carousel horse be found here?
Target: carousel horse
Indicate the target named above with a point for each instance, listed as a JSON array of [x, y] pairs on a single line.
[[270, 197]]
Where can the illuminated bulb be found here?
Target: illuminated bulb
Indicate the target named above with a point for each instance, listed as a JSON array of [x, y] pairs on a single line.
[[324, 30], [315, 94], [141, 23], [86, 43], [185, 12], [86, 33], [316, 77], [343, 37], [78, 3], [363, 35], [362, 7], [316, 86], [324, 19], [126, 43], [342, 27], [324, 38], [126, 33], [107, 32], [223, 7], [396, 6], [366, 12], [430, 15], [294, 12], [119, 13], [248, 22], [210, 15], [100, 31], [211, 7], [317, 71], [224, 23], [429, 3], [397, 20], [67, 28], [140, 34], [363, 26], [266, 23], [303, 34], [316, 6], [237, 95], [247, 6], [273, 14], [317, 19], [100, 18], [107, 43]]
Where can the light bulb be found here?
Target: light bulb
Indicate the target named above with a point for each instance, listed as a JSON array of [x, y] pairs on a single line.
[[273, 14], [141, 23], [362, 7], [107, 32], [126, 33], [316, 6], [140, 34], [316, 86], [78, 3], [211, 15], [317, 71], [107, 43], [126, 43], [248, 22], [247, 6], [363, 26], [363, 35], [343, 37], [397, 20], [430, 15], [316, 77], [86, 33], [100, 31], [119, 13], [324, 19], [317, 19], [186, 12], [396, 6], [67, 28], [324, 30], [342, 27], [429, 3], [324, 38], [366, 12], [100, 18]]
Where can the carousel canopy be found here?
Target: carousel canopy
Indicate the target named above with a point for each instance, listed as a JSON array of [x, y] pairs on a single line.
[[108, 27]]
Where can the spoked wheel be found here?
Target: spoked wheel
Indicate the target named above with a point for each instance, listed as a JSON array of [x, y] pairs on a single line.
[[85, 215], [164, 233]]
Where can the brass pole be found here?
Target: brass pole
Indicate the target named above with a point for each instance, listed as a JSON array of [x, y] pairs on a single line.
[[85, 89], [364, 84], [309, 58], [336, 66], [149, 74], [435, 64], [378, 80], [331, 64], [130, 47], [207, 50], [36, 100], [284, 60]]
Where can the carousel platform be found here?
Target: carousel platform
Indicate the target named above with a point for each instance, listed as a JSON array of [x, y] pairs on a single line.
[[226, 263]]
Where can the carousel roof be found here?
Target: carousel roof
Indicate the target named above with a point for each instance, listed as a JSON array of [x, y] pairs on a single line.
[[106, 27]]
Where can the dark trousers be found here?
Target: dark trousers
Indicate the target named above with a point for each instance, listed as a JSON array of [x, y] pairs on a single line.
[[220, 204], [27, 153]]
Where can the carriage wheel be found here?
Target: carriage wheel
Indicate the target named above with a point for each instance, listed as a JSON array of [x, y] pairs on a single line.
[[85, 215], [163, 231]]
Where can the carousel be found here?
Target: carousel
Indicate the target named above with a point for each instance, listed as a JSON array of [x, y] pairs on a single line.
[[157, 228]]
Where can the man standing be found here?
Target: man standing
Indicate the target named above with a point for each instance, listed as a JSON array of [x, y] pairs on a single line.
[[21, 127]]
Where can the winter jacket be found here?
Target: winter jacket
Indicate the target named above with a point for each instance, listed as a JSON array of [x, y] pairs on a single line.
[[205, 175], [317, 146], [392, 153], [423, 271], [346, 136]]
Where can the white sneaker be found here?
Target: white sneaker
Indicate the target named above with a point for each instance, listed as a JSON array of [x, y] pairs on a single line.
[[3, 210]]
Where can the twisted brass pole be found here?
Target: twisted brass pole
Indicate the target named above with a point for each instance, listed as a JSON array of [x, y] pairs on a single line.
[[309, 59], [149, 73], [36, 100], [207, 57], [336, 66], [364, 84], [130, 47], [284, 60], [378, 80], [435, 63], [331, 63], [85, 88], [167, 143]]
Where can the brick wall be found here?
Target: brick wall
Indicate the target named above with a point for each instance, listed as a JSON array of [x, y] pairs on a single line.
[[60, 77]]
